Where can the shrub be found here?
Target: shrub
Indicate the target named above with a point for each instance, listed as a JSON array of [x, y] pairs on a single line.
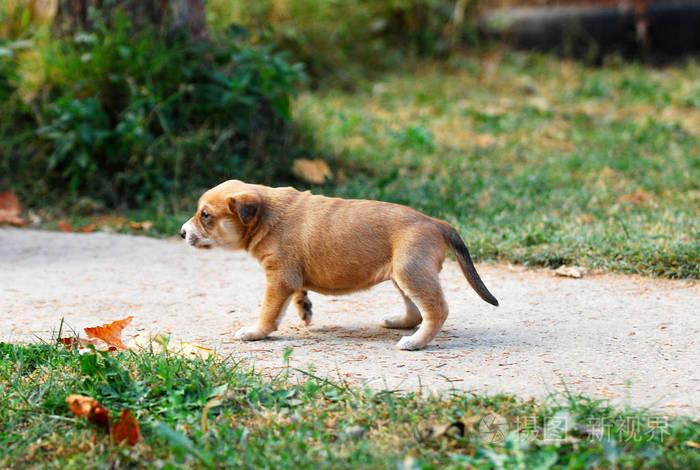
[[125, 116]]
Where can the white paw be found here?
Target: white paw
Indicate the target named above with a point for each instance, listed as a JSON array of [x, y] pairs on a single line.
[[249, 333], [407, 343]]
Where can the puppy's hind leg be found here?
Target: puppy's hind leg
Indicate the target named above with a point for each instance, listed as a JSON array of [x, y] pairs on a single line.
[[303, 305], [422, 285], [409, 319]]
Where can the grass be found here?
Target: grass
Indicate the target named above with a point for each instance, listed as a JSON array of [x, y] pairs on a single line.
[[535, 160], [299, 421]]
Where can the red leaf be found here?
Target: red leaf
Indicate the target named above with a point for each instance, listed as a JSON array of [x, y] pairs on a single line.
[[110, 333], [69, 342], [127, 429], [64, 226], [76, 343]]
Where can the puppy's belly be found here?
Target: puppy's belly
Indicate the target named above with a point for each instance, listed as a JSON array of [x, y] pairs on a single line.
[[338, 282]]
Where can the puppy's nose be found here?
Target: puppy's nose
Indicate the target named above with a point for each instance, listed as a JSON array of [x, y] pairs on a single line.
[[183, 234]]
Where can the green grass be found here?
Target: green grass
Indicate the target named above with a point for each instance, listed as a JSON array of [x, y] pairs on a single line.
[[535, 160], [296, 420]]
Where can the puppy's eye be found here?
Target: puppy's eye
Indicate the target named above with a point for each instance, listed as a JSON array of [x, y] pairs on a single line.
[[205, 215]]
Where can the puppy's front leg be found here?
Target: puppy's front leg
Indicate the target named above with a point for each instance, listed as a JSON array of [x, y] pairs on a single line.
[[273, 306]]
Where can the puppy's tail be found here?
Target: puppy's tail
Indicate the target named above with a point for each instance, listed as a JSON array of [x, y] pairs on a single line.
[[466, 263]]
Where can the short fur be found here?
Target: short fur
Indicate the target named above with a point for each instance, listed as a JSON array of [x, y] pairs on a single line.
[[333, 246]]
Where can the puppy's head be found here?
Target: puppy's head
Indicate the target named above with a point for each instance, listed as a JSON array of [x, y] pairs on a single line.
[[225, 214]]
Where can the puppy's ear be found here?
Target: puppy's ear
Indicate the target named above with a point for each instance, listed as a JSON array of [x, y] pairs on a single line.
[[246, 206]]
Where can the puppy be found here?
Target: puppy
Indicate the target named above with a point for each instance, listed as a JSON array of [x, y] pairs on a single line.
[[333, 246]]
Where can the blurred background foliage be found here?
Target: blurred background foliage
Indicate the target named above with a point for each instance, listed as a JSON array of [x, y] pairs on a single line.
[[136, 106], [120, 104], [341, 42]]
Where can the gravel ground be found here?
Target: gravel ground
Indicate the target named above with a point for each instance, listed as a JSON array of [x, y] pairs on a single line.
[[632, 340]]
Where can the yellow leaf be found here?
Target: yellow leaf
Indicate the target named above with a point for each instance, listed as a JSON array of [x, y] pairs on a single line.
[[312, 171]]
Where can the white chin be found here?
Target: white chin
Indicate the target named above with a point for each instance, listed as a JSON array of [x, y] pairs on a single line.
[[199, 243]]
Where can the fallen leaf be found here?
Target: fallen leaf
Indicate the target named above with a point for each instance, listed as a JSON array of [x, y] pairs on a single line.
[[160, 342], [575, 272], [110, 333], [89, 228], [10, 209], [144, 225], [193, 350], [484, 140], [69, 342], [88, 407], [64, 226], [313, 171], [80, 405], [75, 342], [455, 429], [127, 429], [692, 444], [585, 219], [109, 220]]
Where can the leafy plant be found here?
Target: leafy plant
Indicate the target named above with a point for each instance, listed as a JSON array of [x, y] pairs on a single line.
[[126, 116]]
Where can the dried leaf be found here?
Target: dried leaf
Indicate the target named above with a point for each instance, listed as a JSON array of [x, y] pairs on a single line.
[[585, 219], [89, 408], [65, 226], [10, 209], [161, 343], [109, 220], [193, 350], [110, 333], [313, 171], [212, 403], [575, 272], [80, 405], [127, 429], [69, 342], [692, 444], [484, 140], [89, 228], [454, 429], [75, 342], [144, 225]]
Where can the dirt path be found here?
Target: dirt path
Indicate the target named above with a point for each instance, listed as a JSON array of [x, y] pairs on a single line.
[[633, 340]]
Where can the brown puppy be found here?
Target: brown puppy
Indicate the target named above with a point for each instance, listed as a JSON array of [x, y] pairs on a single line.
[[333, 246]]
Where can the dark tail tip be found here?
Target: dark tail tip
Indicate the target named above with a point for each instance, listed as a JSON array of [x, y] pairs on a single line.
[[467, 265]]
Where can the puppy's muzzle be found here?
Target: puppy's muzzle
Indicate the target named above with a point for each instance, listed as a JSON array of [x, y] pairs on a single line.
[[189, 233]]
